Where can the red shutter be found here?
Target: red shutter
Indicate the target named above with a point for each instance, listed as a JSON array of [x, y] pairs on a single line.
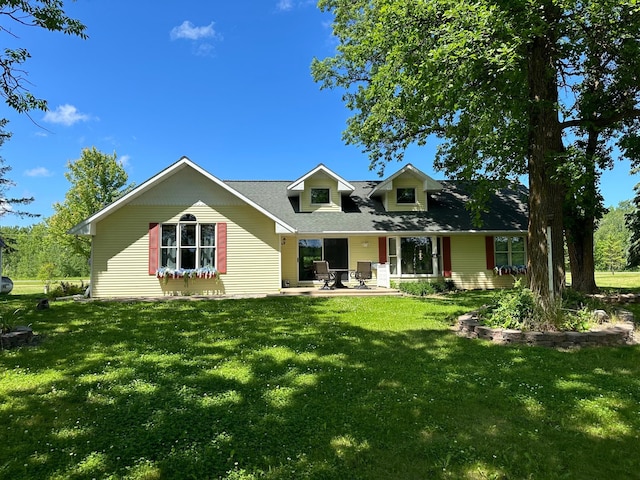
[[154, 238], [221, 248], [446, 257], [491, 259], [382, 249]]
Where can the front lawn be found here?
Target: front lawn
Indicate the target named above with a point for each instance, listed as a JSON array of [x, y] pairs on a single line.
[[299, 387]]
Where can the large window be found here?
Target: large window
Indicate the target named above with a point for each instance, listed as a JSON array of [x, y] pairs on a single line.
[[188, 244], [413, 256], [320, 195], [333, 250], [510, 251]]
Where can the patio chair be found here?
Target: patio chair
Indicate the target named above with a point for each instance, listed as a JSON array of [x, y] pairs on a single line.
[[363, 273], [321, 271]]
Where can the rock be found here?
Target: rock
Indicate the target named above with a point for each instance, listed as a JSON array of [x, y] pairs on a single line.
[[600, 316]]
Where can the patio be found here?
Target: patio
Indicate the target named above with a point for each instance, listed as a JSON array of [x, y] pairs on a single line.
[[315, 291]]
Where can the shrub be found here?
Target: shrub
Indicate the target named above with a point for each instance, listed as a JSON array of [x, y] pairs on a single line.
[[517, 308], [65, 289], [513, 308], [425, 287]]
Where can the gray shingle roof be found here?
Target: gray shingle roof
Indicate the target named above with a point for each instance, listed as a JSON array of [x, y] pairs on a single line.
[[507, 210]]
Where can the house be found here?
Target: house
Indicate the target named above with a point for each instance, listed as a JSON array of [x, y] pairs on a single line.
[[186, 231]]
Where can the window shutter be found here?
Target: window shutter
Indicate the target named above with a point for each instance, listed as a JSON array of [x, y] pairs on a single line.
[[382, 249], [446, 257], [221, 248], [154, 239], [491, 259]]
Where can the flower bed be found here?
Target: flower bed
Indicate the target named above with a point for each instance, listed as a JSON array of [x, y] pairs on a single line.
[[621, 333]]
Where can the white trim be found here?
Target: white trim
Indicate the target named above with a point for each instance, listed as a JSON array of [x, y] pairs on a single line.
[[343, 185], [429, 184], [88, 226]]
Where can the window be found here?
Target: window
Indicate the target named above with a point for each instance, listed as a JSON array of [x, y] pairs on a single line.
[[188, 244], [406, 195], [319, 195], [510, 251], [333, 250], [414, 255]]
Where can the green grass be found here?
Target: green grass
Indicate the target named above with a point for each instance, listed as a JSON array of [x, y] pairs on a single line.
[[33, 286], [300, 387], [618, 280]]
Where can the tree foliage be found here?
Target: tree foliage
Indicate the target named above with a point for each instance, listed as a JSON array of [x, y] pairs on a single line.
[[612, 239], [29, 248], [47, 14], [96, 179], [499, 84], [8, 204]]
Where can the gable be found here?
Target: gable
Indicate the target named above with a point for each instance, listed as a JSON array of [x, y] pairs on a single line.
[[187, 187], [206, 185], [408, 180]]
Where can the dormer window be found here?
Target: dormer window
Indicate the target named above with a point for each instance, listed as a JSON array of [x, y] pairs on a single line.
[[319, 196], [406, 195]]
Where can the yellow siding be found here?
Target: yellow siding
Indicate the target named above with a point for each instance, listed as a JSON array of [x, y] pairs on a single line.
[[289, 253], [363, 249], [469, 264], [321, 180], [406, 181], [120, 249], [187, 187]]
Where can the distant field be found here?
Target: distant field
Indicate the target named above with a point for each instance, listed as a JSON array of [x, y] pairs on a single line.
[[32, 286], [621, 280]]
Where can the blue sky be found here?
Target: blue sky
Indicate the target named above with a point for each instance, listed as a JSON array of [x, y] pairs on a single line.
[[227, 84]]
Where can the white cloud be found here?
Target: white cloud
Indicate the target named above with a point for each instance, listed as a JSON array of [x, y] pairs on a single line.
[[65, 115], [38, 172], [288, 5], [284, 5], [204, 50], [189, 31], [124, 160]]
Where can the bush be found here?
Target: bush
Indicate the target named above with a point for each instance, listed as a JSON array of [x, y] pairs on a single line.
[[66, 289], [425, 287], [518, 309], [512, 308]]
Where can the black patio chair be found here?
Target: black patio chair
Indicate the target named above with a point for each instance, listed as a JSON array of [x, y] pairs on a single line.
[[321, 271], [363, 273]]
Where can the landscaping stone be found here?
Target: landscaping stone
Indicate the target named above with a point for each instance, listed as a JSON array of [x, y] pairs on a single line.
[[619, 334], [18, 337], [600, 316]]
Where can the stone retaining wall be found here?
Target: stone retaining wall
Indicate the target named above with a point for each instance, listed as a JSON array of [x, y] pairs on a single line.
[[618, 334], [18, 337]]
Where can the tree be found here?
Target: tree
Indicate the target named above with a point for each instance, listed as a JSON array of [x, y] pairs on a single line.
[[611, 254], [97, 179], [33, 246], [485, 78], [612, 238], [47, 14], [8, 204]]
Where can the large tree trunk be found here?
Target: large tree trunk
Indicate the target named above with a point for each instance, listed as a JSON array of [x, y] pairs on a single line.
[[580, 248], [545, 194], [580, 224]]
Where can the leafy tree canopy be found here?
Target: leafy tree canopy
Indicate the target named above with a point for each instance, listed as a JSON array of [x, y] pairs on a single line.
[[97, 179], [47, 14], [9, 204], [500, 84]]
